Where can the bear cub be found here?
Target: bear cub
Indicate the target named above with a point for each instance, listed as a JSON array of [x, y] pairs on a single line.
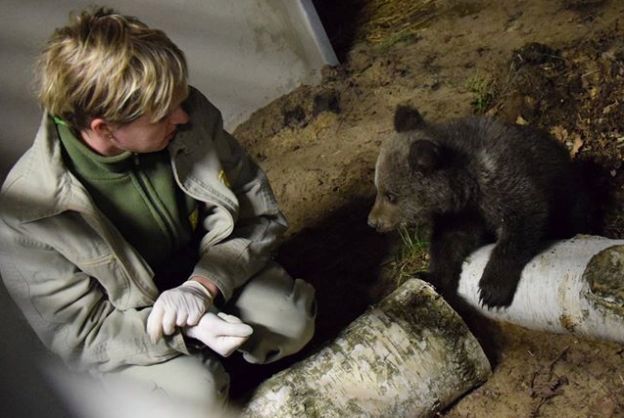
[[476, 180]]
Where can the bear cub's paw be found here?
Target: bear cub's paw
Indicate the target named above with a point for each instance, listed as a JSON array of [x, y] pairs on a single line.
[[498, 283]]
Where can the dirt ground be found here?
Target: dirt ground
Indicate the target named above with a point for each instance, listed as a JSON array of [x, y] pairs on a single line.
[[555, 64]]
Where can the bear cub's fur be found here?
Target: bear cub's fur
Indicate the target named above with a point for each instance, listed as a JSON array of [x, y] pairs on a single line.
[[477, 180]]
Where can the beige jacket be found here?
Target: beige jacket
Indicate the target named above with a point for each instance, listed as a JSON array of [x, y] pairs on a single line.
[[85, 291]]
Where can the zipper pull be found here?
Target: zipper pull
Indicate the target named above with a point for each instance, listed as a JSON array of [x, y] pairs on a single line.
[[135, 158]]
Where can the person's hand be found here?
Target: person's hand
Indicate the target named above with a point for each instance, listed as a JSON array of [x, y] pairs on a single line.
[[221, 332], [181, 306]]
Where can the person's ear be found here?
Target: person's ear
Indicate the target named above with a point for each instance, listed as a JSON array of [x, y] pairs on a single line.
[[101, 128]]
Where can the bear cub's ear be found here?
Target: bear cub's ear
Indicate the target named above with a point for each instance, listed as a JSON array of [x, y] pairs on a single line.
[[425, 156], [407, 118]]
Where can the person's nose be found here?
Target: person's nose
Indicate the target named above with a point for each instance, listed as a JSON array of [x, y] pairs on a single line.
[[179, 116]]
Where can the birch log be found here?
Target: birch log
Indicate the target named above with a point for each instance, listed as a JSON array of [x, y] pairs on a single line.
[[408, 356], [575, 286]]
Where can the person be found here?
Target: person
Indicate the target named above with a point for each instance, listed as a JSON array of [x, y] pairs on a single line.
[[136, 235]]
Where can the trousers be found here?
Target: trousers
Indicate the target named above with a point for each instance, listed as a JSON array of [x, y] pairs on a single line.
[[282, 312]]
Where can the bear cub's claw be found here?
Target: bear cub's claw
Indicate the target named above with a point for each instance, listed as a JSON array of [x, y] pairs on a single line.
[[497, 288]]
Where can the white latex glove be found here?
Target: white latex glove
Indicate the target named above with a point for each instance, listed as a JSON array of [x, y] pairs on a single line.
[[221, 332], [181, 306]]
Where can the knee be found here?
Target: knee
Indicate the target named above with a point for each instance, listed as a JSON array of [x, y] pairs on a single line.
[[283, 318], [296, 322]]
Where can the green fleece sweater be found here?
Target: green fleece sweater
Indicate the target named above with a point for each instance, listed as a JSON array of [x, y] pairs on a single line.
[[138, 194]]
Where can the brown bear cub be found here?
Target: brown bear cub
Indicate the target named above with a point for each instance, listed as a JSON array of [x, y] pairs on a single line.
[[477, 180]]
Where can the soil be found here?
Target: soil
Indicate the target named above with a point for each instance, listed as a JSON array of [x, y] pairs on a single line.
[[554, 64]]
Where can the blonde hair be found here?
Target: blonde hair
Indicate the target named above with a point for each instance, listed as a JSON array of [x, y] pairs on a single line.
[[103, 64]]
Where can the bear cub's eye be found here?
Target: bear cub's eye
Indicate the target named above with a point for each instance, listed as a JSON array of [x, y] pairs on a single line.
[[391, 197]]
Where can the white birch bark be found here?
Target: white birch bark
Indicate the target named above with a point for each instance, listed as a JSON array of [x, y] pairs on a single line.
[[408, 356], [575, 286]]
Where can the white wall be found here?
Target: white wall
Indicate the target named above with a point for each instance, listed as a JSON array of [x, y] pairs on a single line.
[[242, 53]]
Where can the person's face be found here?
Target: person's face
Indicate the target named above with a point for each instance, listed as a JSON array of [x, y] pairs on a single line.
[[142, 135]]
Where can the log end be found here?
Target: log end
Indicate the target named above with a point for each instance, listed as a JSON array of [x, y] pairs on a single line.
[[605, 279]]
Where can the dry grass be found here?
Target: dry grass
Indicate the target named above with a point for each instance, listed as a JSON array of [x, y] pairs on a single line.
[[383, 21], [411, 256]]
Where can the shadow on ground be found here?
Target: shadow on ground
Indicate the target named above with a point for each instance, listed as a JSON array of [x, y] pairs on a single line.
[[341, 256]]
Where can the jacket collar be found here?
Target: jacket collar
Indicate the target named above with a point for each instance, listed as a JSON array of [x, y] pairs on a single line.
[[40, 185]]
